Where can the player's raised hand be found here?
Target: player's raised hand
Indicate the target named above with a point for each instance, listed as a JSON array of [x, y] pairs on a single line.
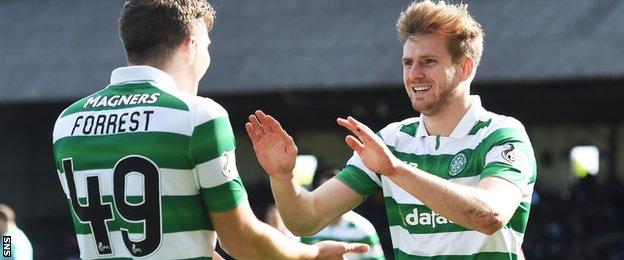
[[373, 151], [337, 250], [275, 149]]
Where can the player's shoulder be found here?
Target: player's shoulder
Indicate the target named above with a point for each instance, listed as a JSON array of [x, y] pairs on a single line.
[[79, 105], [497, 121], [204, 109], [496, 127], [360, 222], [76, 107]]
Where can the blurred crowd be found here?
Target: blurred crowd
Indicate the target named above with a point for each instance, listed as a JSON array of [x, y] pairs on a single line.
[[587, 224]]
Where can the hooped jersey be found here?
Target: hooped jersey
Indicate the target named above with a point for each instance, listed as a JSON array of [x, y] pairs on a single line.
[[142, 165], [482, 145]]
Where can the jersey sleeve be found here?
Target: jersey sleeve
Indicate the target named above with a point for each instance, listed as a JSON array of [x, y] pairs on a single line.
[[357, 176], [510, 156], [212, 152]]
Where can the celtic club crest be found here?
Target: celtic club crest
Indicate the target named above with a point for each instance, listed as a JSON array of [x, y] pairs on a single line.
[[458, 164]]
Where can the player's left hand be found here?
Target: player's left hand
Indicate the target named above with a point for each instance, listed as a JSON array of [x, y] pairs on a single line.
[[371, 149], [336, 250]]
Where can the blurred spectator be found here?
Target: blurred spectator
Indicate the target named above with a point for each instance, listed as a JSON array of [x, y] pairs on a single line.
[[21, 248]]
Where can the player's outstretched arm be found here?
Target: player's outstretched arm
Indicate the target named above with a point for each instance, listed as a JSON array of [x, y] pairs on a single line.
[[303, 212], [245, 237], [486, 208]]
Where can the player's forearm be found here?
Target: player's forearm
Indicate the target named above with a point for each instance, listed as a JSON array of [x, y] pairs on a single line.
[[264, 242], [467, 206], [243, 236], [296, 206]]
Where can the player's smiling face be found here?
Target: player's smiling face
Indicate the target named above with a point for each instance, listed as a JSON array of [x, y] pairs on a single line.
[[429, 74]]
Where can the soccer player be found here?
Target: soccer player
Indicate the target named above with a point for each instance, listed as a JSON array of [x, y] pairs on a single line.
[[148, 167], [350, 227], [21, 248], [457, 180]]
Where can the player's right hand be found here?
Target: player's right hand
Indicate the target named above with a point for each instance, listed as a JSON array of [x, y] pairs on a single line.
[[336, 250], [370, 147], [275, 149]]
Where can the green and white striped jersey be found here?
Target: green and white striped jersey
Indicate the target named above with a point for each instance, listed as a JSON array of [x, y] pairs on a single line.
[[351, 228], [142, 164], [483, 144]]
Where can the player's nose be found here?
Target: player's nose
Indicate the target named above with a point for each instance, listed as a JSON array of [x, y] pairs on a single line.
[[416, 72]]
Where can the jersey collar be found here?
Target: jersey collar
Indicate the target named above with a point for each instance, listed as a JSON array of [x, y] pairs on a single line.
[[142, 73], [468, 121]]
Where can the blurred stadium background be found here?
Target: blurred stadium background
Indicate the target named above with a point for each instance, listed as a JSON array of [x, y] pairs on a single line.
[[557, 66]]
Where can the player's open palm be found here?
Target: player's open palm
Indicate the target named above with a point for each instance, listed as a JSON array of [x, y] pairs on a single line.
[[371, 149], [275, 149], [336, 250]]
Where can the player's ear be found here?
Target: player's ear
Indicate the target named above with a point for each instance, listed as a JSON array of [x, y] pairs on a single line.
[[188, 48], [467, 66]]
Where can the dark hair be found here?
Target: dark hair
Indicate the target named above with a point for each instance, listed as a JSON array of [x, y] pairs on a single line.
[[152, 29], [322, 174]]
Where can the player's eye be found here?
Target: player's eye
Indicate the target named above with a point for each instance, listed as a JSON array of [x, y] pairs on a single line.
[[429, 61], [407, 62]]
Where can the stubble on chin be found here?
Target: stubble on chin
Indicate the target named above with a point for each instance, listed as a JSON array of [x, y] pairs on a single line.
[[421, 108]]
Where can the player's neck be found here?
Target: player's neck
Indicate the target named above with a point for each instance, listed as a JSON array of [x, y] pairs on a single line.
[[179, 74], [183, 81], [444, 121]]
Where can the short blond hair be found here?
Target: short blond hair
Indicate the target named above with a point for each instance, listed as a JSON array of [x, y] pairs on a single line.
[[462, 31]]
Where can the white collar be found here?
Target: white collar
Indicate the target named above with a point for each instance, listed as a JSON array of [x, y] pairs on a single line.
[[142, 73], [468, 121]]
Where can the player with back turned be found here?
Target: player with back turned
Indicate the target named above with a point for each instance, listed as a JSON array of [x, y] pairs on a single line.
[[148, 167]]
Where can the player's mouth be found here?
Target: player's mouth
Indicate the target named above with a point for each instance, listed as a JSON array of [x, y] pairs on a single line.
[[421, 89]]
